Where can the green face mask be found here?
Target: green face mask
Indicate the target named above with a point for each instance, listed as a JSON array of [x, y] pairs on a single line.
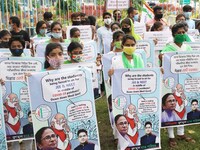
[[180, 38], [118, 44], [76, 40]]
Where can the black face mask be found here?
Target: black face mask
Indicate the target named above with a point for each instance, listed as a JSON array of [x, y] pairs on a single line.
[[158, 16], [83, 22], [76, 23], [4, 44], [126, 30], [16, 52]]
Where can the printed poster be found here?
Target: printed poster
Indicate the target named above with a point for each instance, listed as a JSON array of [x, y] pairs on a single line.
[[194, 45], [117, 4], [5, 52], [181, 79], [136, 108], [64, 106]]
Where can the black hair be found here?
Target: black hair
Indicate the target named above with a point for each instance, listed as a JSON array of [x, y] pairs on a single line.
[[38, 135], [4, 33], [106, 13], [156, 8], [49, 48], [117, 118], [176, 27], [73, 30], [156, 25], [197, 24], [148, 122], [47, 15], [164, 98], [12, 39], [115, 11], [82, 14], [187, 8], [85, 22], [73, 45], [126, 37], [39, 25], [130, 10], [194, 100], [179, 16], [15, 20], [117, 23], [80, 131], [76, 14], [54, 24], [29, 113], [92, 20], [116, 34], [126, 21]]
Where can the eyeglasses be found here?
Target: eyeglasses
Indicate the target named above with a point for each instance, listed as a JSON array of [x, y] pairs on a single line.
[[123, 123], [171, 101], [48, 137]]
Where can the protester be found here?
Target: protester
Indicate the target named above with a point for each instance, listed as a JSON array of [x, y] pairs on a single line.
[[48, 18], [41, 29], [117, 15], [116, 45], [4, 38], [180, 18], [187, 11], [133, 14], [157, 26], [76, 19], [115, 26]]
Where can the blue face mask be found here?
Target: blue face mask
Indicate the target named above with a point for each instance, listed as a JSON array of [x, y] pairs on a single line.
[[136, 17], [187, 15]]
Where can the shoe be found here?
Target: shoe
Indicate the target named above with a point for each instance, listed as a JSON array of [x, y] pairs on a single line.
[[172, 142], [186, 138]]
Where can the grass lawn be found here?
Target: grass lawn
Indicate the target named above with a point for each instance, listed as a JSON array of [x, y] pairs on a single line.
[[106, 136]]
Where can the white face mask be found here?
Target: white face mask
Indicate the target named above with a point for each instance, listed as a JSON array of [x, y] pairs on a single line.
[[55, 63], [50, 22], [107, 21], [56, 35]]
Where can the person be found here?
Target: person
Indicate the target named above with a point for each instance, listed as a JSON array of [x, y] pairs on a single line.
[[75, 51], [128, 28], [169, 104], [41, 29], [187, 11], [128, 59], [4, 38], [158, 16], [117, 14], [61, 129], [115, 26], [76, 19], [53, 56], [116, 44], [75, 35], [83, 18], [48, 18], [195, 113], [15, 30], [16, 46], [149, 138], [104, 33], [157, 26], [46, 139], [133, 14], [84, 143], [180, 18]]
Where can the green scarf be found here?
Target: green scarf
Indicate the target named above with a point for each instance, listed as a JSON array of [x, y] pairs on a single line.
[[126, 62]]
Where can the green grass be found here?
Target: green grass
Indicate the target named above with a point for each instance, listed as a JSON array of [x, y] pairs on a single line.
[[106, 136]]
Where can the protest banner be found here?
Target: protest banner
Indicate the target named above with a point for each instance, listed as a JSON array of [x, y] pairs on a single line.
[[15, 94], [5, 52], [85, 32], [136, 97], [140, 29], [181, 78], [161, 37], [38, 40], [117, 4], [65, 105], [194, 45]]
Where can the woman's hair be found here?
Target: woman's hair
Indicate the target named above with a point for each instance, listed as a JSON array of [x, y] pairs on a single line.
[[72, 46], [50, 47], [176, 27], [54, 24], [164, 98], [38, 135], [179, 16], [3, 33], [156, 25], [115, 23], [117, 117], [73, 30], [126, 21], [39, 25], [116, 34], [126, 37], [12, 39]]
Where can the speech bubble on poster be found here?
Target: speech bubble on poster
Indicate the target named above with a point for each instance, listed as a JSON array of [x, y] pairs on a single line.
[[138, 82], [24, 97], [79, 111], [13, 70], [120, 102], [43, 112], [63, 86], [185, 63], [146, 46], [192, 85], [147, 105]]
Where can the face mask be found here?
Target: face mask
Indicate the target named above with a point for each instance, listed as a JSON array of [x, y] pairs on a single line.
[[107, 21], [129, 50], [4, 44], [10, 27], [118, 44], [55, 63], [77, 58], [16, 52], [158, 16], [50, 22], [83, 22], [75, 40], [180, 38], [56, 35], [43, 31], [136, 17], [187, 14], [126, 30], [76, 23]]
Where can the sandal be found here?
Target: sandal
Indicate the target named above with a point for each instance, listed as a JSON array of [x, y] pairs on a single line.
[[186, 138], [172, 142]]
